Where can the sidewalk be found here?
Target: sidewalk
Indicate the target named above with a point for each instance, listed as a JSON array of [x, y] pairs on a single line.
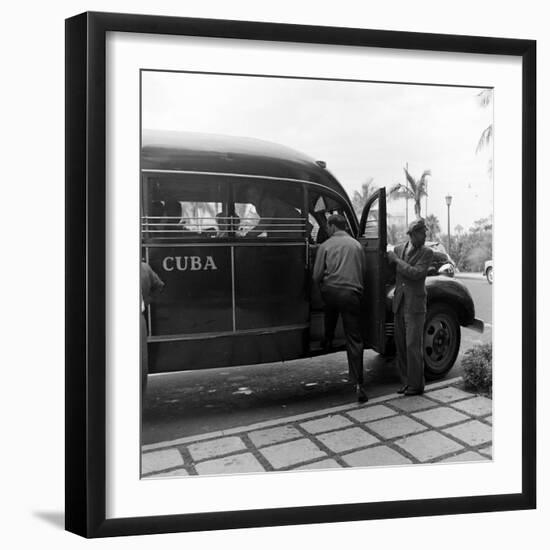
[[446, 424]]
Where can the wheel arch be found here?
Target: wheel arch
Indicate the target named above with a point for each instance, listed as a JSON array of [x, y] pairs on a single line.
[[455, 295]]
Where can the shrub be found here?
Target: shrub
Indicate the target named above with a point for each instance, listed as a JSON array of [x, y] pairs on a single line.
[[478, 368]]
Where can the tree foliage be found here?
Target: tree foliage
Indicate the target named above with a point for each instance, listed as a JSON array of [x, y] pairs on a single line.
[[470, 250], [360, 198], [434, 229], [485, 98], [414, 190]]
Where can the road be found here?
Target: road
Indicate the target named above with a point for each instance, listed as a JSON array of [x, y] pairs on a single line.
[[190, 403]]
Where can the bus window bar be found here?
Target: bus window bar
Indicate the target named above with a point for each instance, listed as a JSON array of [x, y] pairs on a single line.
[[301, 220], [183, 231], [259, 225]]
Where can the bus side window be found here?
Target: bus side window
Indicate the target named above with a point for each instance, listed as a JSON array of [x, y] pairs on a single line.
[[179, 207], [270, 210], [321, 207]]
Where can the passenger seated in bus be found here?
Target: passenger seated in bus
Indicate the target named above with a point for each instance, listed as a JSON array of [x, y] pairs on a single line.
[[226, 224], [173, 223], [153, 221], [309, 232], [277, 217]]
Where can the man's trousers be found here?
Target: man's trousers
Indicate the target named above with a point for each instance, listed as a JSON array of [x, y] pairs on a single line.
[[409, 343], [144, 354], [348, 304]]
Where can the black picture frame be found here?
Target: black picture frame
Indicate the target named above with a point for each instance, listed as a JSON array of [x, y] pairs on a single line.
[[86, 262]]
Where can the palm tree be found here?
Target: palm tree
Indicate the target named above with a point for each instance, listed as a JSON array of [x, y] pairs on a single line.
[[415, 190], [360, 198], [434, 229], [485, 98]]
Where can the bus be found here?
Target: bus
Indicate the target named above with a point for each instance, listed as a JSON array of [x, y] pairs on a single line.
[[232, 225]]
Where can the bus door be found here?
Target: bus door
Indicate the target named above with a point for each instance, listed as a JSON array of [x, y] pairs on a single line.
[[270, 271], [321, 205], [373, 237]]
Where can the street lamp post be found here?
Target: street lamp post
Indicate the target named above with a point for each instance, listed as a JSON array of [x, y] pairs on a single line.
[[448, 200]]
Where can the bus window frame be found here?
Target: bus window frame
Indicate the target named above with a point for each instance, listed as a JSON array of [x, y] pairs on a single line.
[[196, 236], [344, 206]]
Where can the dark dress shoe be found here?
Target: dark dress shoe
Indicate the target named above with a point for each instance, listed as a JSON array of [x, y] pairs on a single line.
[[402, 389], [410, 391], [362, 396]]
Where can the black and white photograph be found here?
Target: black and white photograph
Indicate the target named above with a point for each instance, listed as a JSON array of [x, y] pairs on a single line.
[[316, 273], [256, 306]]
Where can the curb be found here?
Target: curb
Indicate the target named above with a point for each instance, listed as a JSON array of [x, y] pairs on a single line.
[[282, 420]]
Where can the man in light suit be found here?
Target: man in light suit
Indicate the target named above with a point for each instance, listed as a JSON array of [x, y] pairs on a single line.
[[412, 261]]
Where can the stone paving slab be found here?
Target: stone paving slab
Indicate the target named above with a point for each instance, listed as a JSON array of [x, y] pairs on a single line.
[[260, 438], [447, 395], [289, 454], [468, 456], [326, 424], [447, 424], [368, 414], [160, 460], [478, 406], [396, 426], [411, 403], [380, 455], [428, 445], [244, 463], [487, 451], [217, 447], [320, 465], [179, 472], [346, 440], [473, 432], [440, 416]]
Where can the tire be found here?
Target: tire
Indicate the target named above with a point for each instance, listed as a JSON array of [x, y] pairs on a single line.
[[489, 275], [441, 341]]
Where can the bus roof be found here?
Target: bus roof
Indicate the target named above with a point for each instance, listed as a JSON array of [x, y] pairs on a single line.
[[196, 152]]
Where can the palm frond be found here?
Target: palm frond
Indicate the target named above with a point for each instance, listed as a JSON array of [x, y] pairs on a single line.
[[400, 191], [485, 97], [485, 139], [425, 174], [422, 183], [411, 181]]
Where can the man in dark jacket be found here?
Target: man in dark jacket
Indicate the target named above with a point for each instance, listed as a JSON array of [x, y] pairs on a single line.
[[339, 270], [151, 285], [412, 261]]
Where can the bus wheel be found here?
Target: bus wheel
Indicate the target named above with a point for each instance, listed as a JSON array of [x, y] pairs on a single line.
[[441, 341]]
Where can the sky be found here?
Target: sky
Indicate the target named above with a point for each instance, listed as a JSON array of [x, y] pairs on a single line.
[[362, 130]]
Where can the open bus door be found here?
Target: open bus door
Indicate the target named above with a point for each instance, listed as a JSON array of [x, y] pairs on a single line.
[[373, 237]]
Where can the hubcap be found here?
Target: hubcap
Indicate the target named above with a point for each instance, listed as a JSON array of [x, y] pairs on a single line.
[[438, 342]]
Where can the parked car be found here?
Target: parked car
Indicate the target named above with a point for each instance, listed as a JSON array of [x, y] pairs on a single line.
[[488, 271], [245, 295]]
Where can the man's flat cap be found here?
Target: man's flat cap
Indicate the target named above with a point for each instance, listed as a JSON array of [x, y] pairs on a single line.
[[417, 225]]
